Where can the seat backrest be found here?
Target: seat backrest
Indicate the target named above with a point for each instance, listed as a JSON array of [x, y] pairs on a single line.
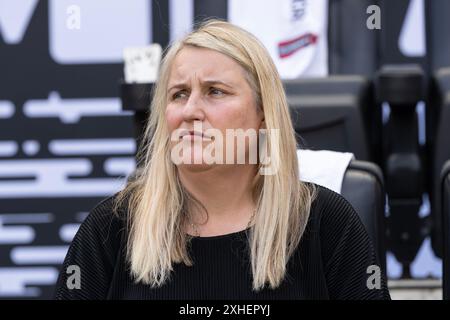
[[363, 187], [352, 48], [438, 108], [438, 41], [445, 189], [440, 152], [331, 113]]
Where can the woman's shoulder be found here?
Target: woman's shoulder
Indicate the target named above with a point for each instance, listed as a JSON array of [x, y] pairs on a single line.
[[346, 249], [104, 213], [94, 250], [104, 224], [337, 222], [330, 206]]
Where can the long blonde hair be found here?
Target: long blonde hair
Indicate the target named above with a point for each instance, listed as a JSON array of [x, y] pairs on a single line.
[[157, 201]]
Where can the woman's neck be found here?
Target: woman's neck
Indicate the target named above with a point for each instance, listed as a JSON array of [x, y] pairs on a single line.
[[226, 194]]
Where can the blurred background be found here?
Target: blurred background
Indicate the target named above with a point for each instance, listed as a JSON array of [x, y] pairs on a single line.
[[370, 77]]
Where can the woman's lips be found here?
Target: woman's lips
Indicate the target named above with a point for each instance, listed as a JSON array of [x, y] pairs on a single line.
[[190, 135]]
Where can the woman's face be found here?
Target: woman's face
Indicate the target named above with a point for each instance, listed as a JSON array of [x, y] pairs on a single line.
[[208, 90]]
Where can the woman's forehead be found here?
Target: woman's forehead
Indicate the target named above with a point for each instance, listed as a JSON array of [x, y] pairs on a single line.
[[205, 65]]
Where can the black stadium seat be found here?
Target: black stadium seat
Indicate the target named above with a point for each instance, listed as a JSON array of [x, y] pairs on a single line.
[[441, 148], [331, 113], [363, 187], [438, 110], [402, 87], [445, 191]]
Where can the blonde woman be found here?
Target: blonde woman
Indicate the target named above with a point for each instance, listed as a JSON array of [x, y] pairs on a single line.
[[188, 227]]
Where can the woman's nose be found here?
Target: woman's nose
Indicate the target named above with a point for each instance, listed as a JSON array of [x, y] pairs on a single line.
[[193, 109]]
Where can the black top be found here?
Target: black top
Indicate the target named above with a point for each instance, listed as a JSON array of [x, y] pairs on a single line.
[[330, 262]]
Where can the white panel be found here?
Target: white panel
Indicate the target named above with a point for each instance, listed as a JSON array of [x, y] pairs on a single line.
[[181, 17], [106, 27], [120, 166], [8, 148], [412, 35], [17, 281], [72, 110], [92, 146], [39, 255], [6, 109], [51, 179]]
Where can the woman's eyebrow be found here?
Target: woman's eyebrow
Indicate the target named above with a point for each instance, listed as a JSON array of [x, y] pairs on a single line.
[[215, 82], [183, 85], [180, 85]]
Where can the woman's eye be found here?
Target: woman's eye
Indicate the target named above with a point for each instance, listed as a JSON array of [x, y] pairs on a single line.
[[179, 95], [216, 92]]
